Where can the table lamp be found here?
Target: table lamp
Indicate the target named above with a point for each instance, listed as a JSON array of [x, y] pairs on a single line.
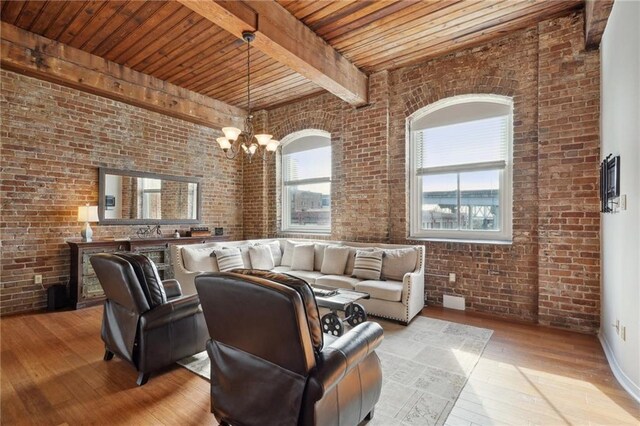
[[87, 214]]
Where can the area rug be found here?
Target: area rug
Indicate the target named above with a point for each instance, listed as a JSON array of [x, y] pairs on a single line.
[[425, 365]]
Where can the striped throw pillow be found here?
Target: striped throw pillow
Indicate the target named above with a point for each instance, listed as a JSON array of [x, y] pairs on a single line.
[[228, 259], [368, 264]]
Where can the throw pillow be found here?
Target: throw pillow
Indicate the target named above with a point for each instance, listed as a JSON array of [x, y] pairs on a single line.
[[368, 264], [398, 262], [244, 253], [228, 259], [302, 257], [198, 259], [287, 256], [352, 259], [334, 260], [318, 256], [276, 252], [261, 257]]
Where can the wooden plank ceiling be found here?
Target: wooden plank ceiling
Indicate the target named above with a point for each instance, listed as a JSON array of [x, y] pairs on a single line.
[[173, 43]]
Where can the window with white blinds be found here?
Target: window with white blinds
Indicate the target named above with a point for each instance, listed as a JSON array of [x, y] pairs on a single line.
[[306, 182], [460, 157]]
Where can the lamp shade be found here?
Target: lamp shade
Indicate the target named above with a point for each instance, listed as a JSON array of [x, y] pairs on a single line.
[[273, 145], [263, 139], [224, 143], [231, 133], [88, 214]]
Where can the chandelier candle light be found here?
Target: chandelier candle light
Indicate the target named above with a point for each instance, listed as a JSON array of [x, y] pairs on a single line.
[[236, 140]]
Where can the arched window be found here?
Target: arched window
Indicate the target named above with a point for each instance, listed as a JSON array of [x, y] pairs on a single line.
[[306, 181], [460, 168]]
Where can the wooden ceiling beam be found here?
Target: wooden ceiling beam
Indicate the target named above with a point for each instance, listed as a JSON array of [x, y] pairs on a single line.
[[36, 56], [596, 14], [281, 36]]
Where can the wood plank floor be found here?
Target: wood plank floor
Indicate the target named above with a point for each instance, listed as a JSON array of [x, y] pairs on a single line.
[[52, 373]]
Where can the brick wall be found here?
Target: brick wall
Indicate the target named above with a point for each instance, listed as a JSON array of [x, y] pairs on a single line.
[[550, 273], [53, 141], [568, 157]]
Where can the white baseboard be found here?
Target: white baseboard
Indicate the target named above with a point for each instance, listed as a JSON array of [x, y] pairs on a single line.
[[628, 385]]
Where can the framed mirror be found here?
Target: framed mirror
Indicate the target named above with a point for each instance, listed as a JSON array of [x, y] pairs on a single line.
[[138, 198]]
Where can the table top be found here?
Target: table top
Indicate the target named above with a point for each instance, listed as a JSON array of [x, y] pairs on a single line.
[[341, 299]]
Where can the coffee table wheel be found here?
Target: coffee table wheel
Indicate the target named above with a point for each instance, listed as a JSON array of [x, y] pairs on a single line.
[[355, 314], [331, 324]]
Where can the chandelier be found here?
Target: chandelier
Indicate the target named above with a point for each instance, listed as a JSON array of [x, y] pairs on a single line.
[[235, 140]]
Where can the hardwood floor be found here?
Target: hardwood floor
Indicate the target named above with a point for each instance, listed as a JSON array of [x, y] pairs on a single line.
[[52, 372]]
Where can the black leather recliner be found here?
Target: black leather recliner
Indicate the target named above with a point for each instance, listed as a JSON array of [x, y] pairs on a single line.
[[271, 363], [146, 321]]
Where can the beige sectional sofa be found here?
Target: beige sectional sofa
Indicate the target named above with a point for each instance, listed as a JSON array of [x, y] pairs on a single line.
[[397, 295]]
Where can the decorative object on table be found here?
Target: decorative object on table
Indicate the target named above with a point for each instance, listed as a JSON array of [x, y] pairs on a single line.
[[609, 183], [87, 214], [235, 140], [149, 231], [176, 234], [199, 231], [218, 231], [425, 365]]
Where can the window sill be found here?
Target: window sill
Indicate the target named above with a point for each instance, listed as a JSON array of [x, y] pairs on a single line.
[[295, 232], [462, 241]]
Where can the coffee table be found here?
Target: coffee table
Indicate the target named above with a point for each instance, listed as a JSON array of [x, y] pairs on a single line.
[[341, 300]]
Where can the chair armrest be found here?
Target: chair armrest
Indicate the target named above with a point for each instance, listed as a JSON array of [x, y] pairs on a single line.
[[171, 311], [172, 288], [336, 360]]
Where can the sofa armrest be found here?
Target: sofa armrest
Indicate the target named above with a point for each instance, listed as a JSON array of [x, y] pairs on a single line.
[[172, 288], [336, 360], [171, 311]]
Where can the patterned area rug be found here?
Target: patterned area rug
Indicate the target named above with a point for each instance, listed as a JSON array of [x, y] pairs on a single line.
[[425, 365]]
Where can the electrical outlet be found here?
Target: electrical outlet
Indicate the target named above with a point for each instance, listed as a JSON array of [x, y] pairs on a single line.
[[452, 277], [623, 333], [37, 279], [623, 202]]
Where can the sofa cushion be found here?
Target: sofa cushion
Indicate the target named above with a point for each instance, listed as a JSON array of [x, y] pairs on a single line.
[[197, 258], [261, 257], [308, 276], [287, 255], [228, 259], [281, 269], [351, 259], [302, 259], [337, 281], [397, 262], [368, 264], [383, 290], [276, 252], [335, 260], [318, 255], [244, 253]]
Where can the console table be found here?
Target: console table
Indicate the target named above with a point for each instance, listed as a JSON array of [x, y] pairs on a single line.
[[84, 287]]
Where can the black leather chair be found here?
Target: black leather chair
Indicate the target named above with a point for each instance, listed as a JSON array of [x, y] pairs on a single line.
[[146, 321], [271, 363]]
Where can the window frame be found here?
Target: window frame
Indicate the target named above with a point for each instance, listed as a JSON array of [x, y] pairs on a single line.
[[414, 180], [285, 202]]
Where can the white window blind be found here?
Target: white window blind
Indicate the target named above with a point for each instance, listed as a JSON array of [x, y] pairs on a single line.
[[473, 145], [308, 166]]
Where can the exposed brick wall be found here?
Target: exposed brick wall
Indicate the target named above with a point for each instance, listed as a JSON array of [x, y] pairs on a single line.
[[551, 278], [53, 141], [498, 279], [568, 157]]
